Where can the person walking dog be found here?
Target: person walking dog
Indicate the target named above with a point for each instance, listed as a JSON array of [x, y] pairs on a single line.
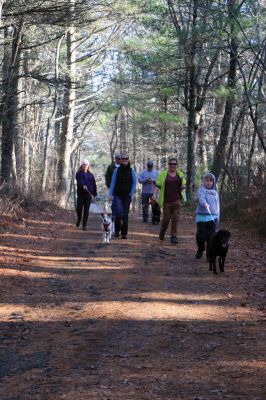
[[207, 213], [86, 191], [171, 184], [147, 179], [123, 186]]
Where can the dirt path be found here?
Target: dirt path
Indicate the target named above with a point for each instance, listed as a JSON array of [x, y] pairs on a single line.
[[138, 319]]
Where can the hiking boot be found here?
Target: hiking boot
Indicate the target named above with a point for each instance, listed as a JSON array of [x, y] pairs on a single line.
[[173, 239], [199, 254]]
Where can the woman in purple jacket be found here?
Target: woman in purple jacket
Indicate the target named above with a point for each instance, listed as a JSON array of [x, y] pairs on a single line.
[[86, 191]]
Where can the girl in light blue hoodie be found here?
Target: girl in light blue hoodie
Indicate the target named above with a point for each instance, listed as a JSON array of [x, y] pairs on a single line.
[[207, 213]]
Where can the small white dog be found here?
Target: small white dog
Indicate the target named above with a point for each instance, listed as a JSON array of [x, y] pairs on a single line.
[[107, 228]]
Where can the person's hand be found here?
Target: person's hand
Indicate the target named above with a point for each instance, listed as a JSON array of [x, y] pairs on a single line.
[[110, 198], [93, 199], [84, 187], [206, 205]]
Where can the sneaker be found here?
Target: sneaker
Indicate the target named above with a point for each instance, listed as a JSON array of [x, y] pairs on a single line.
[[77, 223], [124, 236], [161, 236], [199, 254], [173, 240]]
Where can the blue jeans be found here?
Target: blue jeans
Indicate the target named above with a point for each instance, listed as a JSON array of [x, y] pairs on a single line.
[[120, 210]]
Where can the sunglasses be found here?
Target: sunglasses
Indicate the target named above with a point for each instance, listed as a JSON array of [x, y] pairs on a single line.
[[172, 163], [124, 159]]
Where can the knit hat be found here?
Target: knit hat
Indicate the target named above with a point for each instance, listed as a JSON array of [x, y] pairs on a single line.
[[84, 162]]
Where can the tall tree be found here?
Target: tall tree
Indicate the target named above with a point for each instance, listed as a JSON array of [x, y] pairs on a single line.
[[219, 157], [10, 99]]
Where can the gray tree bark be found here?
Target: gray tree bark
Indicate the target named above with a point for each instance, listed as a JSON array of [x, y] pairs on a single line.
[[9, 107], [219, 157], [68, 122]]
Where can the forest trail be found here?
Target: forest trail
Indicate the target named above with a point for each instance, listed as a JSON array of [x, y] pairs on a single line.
[[136, 319]]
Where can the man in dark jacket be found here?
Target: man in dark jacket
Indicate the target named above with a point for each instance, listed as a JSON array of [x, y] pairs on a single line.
[[110, 169]]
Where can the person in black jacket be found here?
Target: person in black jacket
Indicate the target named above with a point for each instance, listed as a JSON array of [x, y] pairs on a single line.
[[123, 186], [86, 191], [110, 169]]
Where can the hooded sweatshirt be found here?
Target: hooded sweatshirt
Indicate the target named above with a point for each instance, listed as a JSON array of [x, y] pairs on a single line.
[[210, 197]]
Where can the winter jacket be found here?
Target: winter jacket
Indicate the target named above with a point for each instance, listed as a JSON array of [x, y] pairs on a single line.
[[160, 183], [86, 179], [109, 173], [210, 197]]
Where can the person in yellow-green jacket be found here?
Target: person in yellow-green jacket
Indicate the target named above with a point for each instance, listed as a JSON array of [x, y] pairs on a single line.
[[171, 183]]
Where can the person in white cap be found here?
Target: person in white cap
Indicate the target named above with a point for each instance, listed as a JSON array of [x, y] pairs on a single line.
[[147, 179], [86, 191], [110, 169]]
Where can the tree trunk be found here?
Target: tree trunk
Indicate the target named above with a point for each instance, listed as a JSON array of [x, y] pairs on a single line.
[[192, 103], [123, 133], [219, 157], [9, 108], [191, 128], [50, 122], [1, 8], [68, 122], [251, 152], [163, 134], [114, 138], [201, 145]]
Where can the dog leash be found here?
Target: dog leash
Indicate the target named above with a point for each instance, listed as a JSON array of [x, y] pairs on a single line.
[[87, 190], [208, 209]]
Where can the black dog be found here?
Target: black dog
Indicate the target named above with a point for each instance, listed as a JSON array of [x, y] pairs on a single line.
[[218, 246], [156, 213]]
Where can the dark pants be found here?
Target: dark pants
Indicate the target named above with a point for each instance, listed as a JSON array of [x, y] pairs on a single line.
[[120, 210], [145, 200], [171, 212], [204, 231], [83, 205]]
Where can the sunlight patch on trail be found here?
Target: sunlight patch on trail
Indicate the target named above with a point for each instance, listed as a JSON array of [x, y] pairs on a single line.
[[126, 310]]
